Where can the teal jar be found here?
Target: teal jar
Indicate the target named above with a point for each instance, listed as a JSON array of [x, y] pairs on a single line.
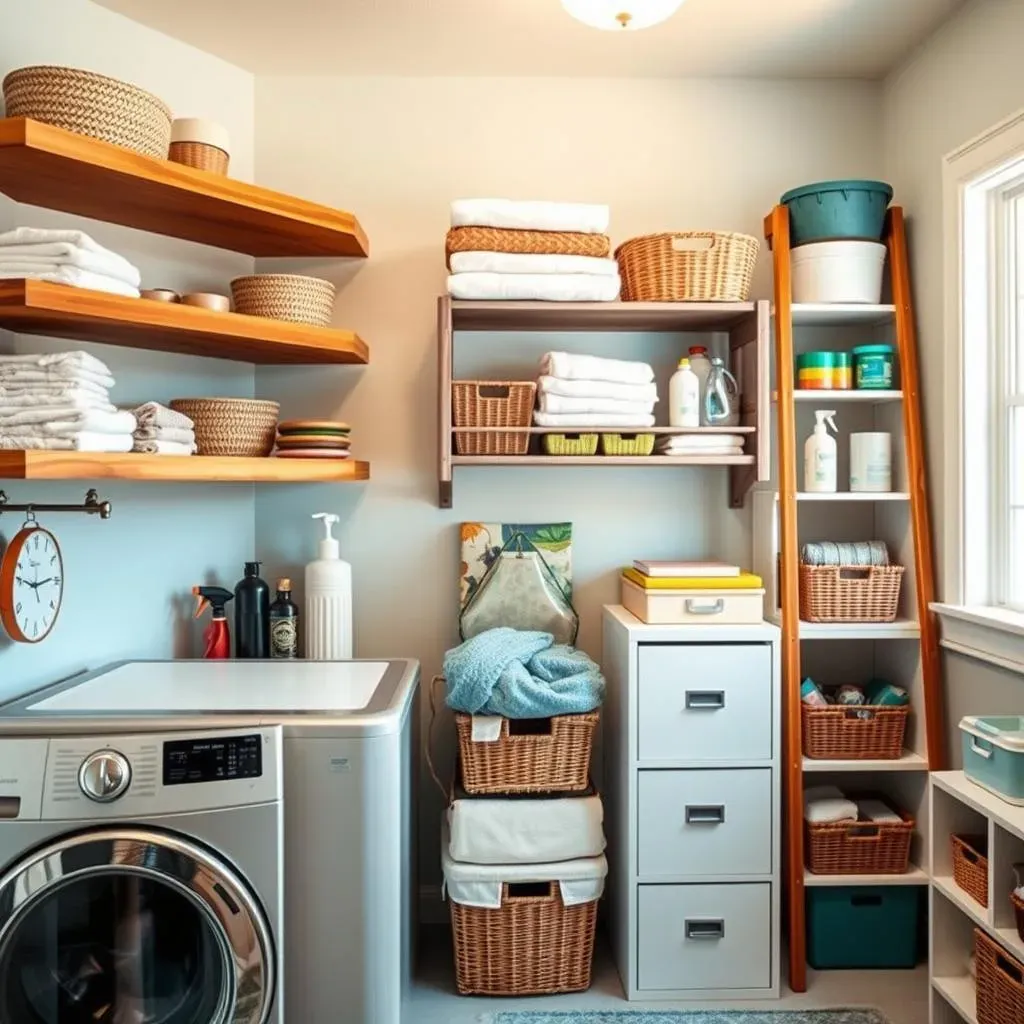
[[873, 367]]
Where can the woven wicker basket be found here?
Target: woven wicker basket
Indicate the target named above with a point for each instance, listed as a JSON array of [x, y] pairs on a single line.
[[492, 403], [970, 865], [231, 426], [90, 104], [554, 761], [570, 444], [859, 848], [199, 155], [627, 444], [854, 733], [687, 266], [1018, 913], [533, 945], [564, 243], [850, 593], [289, 297], [1000, 982]]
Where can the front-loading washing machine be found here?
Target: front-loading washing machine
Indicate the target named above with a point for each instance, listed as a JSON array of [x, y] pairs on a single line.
[[141, 877]]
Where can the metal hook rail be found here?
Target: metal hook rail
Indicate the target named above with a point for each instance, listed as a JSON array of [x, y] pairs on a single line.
[[92, 506]]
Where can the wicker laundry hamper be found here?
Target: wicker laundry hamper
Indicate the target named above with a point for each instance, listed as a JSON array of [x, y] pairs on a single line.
[[231, 426], [289, 297]]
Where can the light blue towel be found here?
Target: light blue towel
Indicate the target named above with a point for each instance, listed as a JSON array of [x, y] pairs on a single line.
[[520, 674]]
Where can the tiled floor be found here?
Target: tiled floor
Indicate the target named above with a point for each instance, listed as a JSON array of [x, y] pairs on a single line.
[[901, 995]]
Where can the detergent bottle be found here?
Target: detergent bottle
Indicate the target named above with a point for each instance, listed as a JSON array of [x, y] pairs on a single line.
[[820, 455], [328, 599], [217, 637]]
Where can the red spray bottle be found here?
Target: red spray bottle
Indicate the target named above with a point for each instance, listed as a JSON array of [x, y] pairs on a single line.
[[217, 637]]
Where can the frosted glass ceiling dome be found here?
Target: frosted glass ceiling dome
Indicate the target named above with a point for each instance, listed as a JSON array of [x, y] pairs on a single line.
[[622, 15]]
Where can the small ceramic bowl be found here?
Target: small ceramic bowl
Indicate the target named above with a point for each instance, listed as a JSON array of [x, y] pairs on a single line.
[[207, 300], [160, 295]]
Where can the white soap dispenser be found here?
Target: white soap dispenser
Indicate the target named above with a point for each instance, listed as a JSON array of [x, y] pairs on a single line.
[[328, 611], [820, 455]]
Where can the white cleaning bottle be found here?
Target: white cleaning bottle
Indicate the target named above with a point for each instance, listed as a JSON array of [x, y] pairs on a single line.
[[328, 610], [820, 455], [684, 397], [700, 363]]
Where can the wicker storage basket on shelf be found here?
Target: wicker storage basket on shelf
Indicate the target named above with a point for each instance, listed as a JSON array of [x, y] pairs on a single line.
[[850, 593], [569, 444], [289, 297], [970, 865], [627, 444], [533, 945], [90, 104], [687, 266], [492, 403], [859, 847], [1000, 982], [854, 732], [554, 761], [199, 155], [231, 426]]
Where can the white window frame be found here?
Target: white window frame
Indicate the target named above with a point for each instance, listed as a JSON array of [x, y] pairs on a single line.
[[975, 180]]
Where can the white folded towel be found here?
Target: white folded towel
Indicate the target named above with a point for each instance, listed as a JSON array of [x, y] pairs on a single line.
[[53, 362], [571, 366], [43, 255], [82, 441], [77, 398], [877, 810], [43, 236], [595, 419], [153, 414], [176, 435], [158, 447], [597, 389], [564, 404], [55, 421], [696, 442], [57, 273], [827, 803], [534, 287], [528, 215], [709, 452], [530, 263]]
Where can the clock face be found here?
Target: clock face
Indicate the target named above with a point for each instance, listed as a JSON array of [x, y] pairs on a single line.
[[31, 585]]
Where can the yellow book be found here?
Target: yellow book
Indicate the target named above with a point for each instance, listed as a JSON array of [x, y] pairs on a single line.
[[745, 581]]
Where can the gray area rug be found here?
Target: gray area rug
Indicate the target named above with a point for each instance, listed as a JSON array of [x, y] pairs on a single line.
[[690, 1017]]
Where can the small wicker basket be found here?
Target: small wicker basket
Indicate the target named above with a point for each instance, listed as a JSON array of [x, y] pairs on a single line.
[[1000, 982], [570, 444], [850, 593], [854, 733], [199, 155], [687, 266], [556, 760], [627, 444], [859, 847], [90, 104], [289, 297], [970, 865], [231, 426], [492, 403]]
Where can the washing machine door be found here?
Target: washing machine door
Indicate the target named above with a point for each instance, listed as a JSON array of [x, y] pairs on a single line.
[[128, 926]]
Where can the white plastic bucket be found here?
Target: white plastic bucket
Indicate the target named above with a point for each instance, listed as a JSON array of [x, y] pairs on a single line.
[[845, 271]]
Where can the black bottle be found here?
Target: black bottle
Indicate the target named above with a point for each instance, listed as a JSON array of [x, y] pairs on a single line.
[[252, 615], [284, 624]]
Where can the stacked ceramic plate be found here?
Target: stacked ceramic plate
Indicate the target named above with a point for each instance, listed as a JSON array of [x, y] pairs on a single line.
[[312, 439]]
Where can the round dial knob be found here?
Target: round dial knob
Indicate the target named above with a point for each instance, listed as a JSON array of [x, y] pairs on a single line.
[[104, 775]]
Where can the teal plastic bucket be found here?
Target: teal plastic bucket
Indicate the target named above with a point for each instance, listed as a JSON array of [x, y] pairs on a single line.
[[837, 209]]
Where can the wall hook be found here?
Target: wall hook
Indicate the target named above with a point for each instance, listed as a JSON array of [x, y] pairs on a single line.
[[92, 506]]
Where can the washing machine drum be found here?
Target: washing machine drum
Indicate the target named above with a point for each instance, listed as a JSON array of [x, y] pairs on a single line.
[[131, 927]]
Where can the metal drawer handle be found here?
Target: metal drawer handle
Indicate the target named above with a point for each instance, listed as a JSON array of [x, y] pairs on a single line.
[[705, 700], [705, 930], [705, 815], [697, 607]]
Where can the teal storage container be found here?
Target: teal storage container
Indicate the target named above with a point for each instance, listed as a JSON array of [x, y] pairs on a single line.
[[993, 750], [854, 928], [874, 367], [830, 210]]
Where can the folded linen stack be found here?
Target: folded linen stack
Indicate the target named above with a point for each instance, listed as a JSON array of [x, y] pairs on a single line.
[[827, 804], [503, 249], [66, 257], [701, 444], [60, 401], [162, 431], [588, 391]]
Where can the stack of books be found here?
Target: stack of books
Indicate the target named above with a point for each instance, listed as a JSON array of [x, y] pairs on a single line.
[[677, 592]]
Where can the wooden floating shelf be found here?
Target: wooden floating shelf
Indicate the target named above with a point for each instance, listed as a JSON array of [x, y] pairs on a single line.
[[651, 461], [39, 307], [57, 169], [49, 465]]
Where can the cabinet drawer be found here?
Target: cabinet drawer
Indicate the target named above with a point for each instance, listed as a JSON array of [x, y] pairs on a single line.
[[705, 702], [705, 822], [694, 937]]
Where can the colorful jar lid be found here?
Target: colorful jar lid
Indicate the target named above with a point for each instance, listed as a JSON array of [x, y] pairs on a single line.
[[874, 350], [823, 360]]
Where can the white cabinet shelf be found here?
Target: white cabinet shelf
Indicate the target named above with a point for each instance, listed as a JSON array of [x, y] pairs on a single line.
[[840, 314], [960, 994], [909, 762], [915, 876]]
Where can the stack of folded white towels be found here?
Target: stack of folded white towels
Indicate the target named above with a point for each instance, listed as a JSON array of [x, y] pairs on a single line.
[[700, 444], [577, 391], [532, 251], [60, 401], [66, 257], [162, 431]]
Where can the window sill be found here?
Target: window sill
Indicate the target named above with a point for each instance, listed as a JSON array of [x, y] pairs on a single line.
[[989, 634]]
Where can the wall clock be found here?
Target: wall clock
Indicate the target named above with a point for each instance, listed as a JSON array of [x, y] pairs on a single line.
[[31, 584]]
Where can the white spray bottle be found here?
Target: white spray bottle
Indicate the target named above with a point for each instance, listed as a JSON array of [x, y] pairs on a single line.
[[820, 455], [328, 611]]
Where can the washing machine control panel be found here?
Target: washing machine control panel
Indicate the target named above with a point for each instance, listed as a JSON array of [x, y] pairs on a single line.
[[212, 759], [104, 775]]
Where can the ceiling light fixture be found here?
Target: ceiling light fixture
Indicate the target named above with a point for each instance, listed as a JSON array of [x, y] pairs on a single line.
[[622, 15]]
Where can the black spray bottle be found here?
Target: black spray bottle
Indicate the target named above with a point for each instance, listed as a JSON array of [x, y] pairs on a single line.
[[252, 615]]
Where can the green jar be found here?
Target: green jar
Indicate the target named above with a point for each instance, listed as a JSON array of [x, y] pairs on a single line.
[[873, 367], [824, 371]]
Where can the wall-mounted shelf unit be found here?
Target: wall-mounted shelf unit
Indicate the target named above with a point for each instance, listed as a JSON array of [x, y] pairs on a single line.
[[50, 465], [746, 324], [57, 310], [46, 166]]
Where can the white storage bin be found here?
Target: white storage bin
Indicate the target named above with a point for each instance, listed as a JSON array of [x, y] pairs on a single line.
[[703, 607], [844, 271]]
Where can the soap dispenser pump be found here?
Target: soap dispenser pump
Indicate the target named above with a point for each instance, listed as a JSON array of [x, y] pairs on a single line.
[[820, 455], [328, 610]]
